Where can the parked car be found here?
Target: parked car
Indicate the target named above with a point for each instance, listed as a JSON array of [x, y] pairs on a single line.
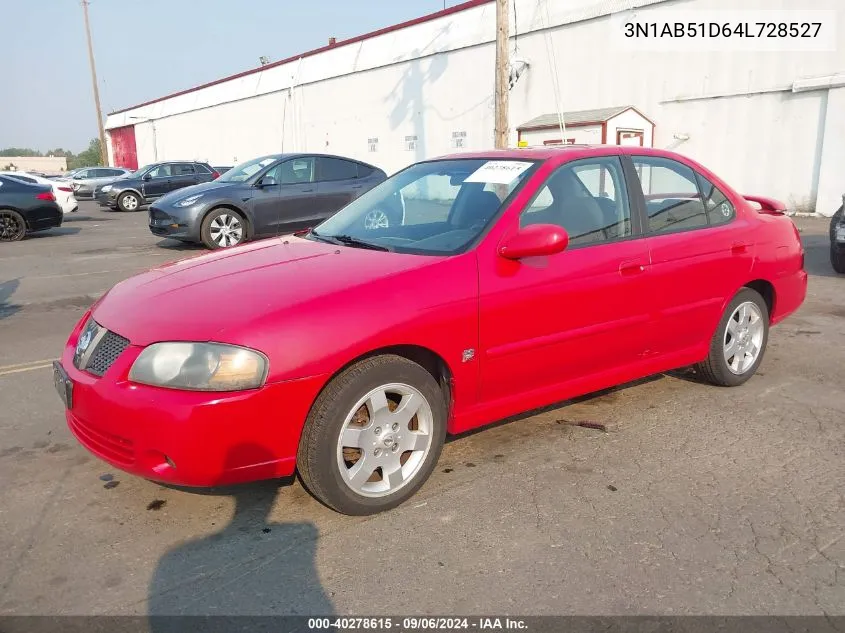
[[267, 196], [516, 280], [86, 180], [62, 191], [26, 207], [151, 182], [837, 239]]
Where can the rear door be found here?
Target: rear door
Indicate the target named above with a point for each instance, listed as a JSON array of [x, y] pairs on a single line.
[[182, 175], [338, 185], [700, 252]]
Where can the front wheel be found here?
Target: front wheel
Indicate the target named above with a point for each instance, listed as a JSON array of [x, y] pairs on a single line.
[[223, 228], [373, 436], [739, 343], [128, 201]]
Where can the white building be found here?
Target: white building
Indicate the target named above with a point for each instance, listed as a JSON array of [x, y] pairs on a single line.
[[766, 116]]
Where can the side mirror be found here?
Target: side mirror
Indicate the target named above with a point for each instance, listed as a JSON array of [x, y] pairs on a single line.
[[267, 181], [147, 176], [534, 241]]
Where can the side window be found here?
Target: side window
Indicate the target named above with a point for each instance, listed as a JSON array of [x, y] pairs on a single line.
[[183, 169], [26, 179], [719, 208], [102, 173], [297, 171], [588, 198], [162, 171], [364, 171], [201, 169], [337, 169], [81, 175], [672, 199]]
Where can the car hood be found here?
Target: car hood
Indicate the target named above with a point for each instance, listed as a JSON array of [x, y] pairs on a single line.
[[218, 295], [185, 192]]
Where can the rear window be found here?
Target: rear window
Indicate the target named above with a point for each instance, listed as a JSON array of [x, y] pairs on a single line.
[[337, 169], [202, 169], [364, 171]]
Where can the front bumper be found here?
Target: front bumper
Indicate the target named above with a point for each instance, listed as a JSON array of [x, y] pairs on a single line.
[[186, 438], [183, 224], [103, 199]]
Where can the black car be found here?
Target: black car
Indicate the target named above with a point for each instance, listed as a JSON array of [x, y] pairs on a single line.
[[267, 196], [26, 208], [221, 170], [152, 182], [837, 239]]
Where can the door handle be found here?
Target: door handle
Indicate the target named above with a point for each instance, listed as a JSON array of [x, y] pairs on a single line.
[[307, 190], [357, 186], [633, 267], [738, 248]]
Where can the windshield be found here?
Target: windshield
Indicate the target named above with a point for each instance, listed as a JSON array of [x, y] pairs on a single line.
[[432, 208], [247, 170]]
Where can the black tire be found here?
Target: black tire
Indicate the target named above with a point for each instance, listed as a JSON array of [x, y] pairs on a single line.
[[834, 222], [715, 368], [837, 258], [205, 231], [12, 226], [317, 459], [124, 202]]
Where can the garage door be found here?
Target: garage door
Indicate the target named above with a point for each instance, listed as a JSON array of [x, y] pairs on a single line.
[[123, 147]]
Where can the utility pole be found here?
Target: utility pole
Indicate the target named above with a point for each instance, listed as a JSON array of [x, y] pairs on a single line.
[[103, 153], [502, 72]]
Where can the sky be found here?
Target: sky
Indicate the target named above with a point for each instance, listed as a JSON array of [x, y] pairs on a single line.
[[146, 49]]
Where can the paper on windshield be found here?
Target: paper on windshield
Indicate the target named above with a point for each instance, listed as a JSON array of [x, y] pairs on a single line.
[[499, 172]]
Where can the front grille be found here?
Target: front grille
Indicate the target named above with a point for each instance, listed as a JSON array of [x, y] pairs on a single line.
[[155, 214], [108, 349], [112, 447]]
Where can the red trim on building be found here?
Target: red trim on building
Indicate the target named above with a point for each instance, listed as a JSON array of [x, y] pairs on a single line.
[[604, 132], [470, 4]]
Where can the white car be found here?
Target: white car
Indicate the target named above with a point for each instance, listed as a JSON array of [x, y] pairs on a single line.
[[62, 190]]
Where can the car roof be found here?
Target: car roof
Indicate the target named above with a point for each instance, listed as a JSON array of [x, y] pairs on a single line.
[[562, 152]]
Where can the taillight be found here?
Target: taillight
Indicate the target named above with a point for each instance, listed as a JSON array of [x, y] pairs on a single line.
[[46, 195], [215, 175], [66, 189]]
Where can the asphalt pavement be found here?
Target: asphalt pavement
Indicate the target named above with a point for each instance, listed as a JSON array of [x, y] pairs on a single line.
[[692, 500]]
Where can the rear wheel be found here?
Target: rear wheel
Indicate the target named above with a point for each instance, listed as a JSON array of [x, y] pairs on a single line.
[[373, 436], [128, 201], [223, 228], [12, 226], [739, 343]]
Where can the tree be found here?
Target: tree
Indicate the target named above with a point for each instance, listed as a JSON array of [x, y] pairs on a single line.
[[89, 158], [19, 151]]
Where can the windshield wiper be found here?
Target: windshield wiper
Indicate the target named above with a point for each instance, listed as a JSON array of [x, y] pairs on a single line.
[[348, 240]]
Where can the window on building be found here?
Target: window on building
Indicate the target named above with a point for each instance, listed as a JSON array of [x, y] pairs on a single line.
[[410, 143], [673, 201], [588, 198], [372, 144], [719, 208], [459, 139]]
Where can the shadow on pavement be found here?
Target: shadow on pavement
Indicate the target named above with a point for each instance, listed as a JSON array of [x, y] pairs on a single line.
[[7, 289], [52, 233], [250, 567], [817, 255], [176, 245]]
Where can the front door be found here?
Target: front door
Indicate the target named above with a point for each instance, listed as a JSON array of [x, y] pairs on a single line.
[[157, 181], [550, 320]]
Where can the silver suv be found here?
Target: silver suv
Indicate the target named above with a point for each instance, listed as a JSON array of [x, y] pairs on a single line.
[[87, 179]]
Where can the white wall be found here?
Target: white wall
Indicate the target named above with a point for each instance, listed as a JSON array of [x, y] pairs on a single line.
[[436, 78], [586, 134]]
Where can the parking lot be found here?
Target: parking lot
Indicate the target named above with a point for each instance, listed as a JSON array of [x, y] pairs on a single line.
[[690, 500]]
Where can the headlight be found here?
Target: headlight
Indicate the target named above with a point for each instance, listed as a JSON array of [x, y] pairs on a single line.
[[200, 367], [106, 189], [186, 202]]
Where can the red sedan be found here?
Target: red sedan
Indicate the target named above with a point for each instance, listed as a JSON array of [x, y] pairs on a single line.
[[458, 292]]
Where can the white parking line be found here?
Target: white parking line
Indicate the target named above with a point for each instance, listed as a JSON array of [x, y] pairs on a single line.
[[5, 370]]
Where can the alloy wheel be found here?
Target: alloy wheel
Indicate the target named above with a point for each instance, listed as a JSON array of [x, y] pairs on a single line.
[[130, 202], [384, 440], [226, 230], [376, 219], [743, 339], [12, 227]]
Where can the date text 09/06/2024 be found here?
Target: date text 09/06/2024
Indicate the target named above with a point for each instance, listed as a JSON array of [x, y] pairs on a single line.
[[417, 624]]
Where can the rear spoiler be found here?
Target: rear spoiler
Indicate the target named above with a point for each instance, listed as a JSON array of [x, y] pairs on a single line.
[[769, 206]]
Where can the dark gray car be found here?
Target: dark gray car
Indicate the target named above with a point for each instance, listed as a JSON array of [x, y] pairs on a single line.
[[271, 195]]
